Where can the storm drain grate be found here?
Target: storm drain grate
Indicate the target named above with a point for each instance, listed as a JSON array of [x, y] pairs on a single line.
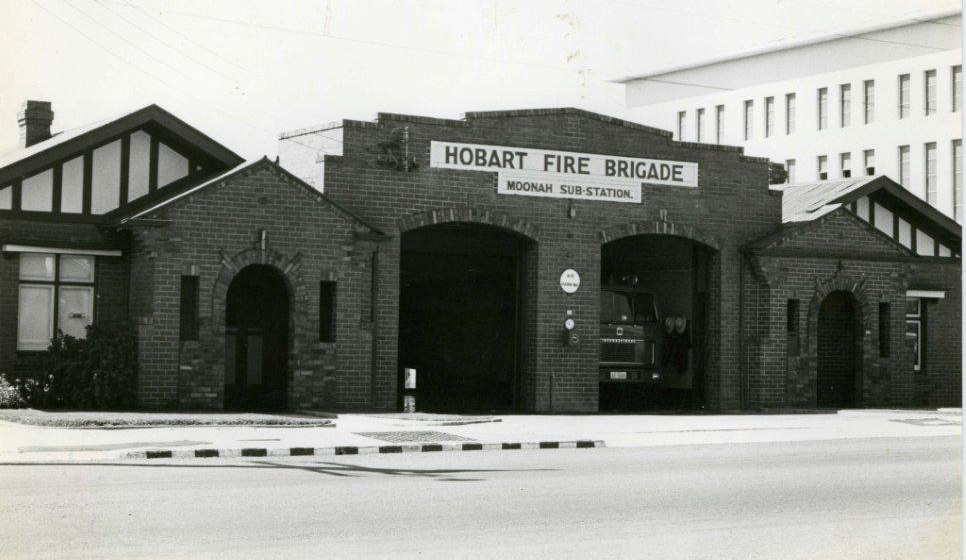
[[420, 436]]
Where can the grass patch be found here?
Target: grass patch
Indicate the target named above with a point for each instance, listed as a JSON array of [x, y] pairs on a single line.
[[83, 419]]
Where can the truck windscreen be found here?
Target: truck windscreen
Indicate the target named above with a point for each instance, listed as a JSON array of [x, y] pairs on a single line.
[[627, 307]]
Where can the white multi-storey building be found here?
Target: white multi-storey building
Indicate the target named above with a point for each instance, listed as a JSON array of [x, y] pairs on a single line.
[[885, 99]]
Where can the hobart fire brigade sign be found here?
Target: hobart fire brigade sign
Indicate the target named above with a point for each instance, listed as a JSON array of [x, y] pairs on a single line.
[[556, 174]]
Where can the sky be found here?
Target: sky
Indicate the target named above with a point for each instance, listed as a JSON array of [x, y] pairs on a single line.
[[242, 71]]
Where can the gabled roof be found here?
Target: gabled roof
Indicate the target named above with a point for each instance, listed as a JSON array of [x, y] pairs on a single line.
[[803, 202], [239, 170], [18, 162]]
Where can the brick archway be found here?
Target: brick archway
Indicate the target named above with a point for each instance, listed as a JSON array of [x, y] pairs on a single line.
[[658, 227], [468, 215], [856, 288]]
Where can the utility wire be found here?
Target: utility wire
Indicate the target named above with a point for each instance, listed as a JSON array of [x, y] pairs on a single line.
[[163, 42]]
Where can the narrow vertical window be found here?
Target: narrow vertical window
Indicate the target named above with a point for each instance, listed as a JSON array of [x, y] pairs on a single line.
[[957, 79], [904, 166], [904, 96], [822, 108], [885, 333], [930, 93], [930, 176], [769, 116], [845, 164], [822, 168], [868, 157], [749, 118], [699, 125], [790, 167], [845, 105], [327, 311], [682, 119], [958, 180], [914, 317], [791, 326], [789, 113], [868, 101], [719, 124], [189, 308]]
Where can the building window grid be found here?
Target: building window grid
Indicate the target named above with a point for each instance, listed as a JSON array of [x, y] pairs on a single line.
[[868, 101], [682, 119], [904, 82], [845, 164], [56, 284], [929, 154], [869, 160], [789, 113], [822, 108], [822, 168], [929, 83], [749, 118], [845, 105], [790, 169]]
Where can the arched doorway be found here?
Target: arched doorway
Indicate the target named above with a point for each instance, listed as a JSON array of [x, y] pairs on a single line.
[[460, 320], [839, 350], [654, 308], [256, 339]]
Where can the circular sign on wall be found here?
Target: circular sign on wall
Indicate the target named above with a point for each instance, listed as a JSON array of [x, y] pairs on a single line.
[[569, 281]]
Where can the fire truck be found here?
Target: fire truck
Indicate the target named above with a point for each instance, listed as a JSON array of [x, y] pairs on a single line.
[[630, 334]]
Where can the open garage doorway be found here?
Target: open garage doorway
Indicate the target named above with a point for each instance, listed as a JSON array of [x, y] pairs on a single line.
[[653, 323], [839, 360], [459, 318], [256, 340]]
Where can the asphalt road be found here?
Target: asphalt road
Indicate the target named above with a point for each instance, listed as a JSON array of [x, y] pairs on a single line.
[[876, 498]]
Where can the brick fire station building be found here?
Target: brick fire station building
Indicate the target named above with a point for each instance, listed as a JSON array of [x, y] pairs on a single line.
[[533, 260]]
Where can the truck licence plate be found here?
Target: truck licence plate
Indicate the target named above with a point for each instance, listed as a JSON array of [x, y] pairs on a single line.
[[618, 375]]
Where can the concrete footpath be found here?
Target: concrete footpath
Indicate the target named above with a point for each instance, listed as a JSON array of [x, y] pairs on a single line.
[[397, 433]]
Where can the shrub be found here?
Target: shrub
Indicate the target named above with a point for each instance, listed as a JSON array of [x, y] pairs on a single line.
[[95, 372], [11, 395]]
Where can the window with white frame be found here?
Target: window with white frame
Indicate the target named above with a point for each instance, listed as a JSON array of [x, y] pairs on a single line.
[[845, 164], [845, 105], [822, 108], [957, 79], [719, 123], [869, 157], [958, 179], [56, 292], [868, 101], [904, 167], [769, 116], [790, 167], [789, 113], [930, 93], [699, 125], [914, 322], [682, 121], [904, 84], [930, 176], [822, 168], [749, 118]]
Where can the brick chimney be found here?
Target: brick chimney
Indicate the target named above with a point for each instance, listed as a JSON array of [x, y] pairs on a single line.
[[34, 118]]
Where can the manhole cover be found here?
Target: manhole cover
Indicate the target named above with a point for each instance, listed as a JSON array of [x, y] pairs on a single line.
[[413, 436]]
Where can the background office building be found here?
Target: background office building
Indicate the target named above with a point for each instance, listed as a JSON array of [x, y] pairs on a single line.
[[885, 99]]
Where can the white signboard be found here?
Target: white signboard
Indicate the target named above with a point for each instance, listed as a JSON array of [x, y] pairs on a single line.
[[569, 281], [551, 173]]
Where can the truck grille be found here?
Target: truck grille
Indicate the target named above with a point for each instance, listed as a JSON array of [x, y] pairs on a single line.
[[617, 352]]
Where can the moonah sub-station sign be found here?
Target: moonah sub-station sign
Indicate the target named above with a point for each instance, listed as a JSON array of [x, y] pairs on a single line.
[[558, 174]]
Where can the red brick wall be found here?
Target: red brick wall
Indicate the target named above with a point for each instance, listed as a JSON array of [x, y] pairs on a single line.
[[730, 207]]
